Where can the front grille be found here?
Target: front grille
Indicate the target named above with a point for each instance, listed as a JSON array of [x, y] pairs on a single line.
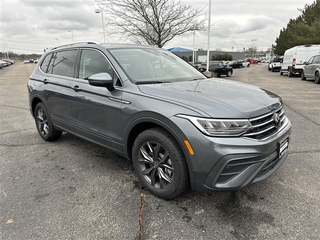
[[266, 125]]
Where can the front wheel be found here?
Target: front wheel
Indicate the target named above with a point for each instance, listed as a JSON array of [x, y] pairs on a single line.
[[160, 164], [44, 124], [317, 78]]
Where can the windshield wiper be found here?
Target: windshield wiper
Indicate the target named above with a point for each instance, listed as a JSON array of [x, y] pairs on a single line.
[[150, 82]]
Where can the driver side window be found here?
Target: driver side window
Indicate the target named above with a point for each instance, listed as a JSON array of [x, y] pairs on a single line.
[[92, 62]]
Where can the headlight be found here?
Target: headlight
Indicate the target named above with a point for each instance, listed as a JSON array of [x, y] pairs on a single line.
[[220, 127]]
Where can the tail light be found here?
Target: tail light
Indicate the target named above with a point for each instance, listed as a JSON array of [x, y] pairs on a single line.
[[293, 62]]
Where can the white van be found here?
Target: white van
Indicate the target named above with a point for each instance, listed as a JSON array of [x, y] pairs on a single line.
[[294, 58]]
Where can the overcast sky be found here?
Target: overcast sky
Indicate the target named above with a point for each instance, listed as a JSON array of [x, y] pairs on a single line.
[[29, 26]]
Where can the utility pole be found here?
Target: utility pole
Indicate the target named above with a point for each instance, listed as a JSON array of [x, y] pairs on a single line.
[[208, 45], [253, 41]]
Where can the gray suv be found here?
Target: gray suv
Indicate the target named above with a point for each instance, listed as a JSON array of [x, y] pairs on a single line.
[[311, 69], [179, 128]]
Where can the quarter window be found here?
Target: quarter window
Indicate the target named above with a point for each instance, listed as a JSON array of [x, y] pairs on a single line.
[[45, 63]]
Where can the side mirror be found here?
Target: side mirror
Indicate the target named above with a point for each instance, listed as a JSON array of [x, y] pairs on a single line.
[[101, 80]]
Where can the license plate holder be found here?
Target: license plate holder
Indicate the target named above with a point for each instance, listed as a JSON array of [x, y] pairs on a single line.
[[283, 147]]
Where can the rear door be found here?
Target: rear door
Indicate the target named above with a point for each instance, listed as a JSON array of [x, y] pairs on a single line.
[[58, 79]]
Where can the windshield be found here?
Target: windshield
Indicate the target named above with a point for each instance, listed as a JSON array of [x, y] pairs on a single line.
[[152, 65]]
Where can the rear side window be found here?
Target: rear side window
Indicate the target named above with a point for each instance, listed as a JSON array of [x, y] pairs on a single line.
[[277, 60], [63, 63]]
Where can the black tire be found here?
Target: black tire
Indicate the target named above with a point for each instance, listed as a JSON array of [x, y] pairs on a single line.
[[317, 78], [289, 73], [160, 164], [272, 69], [44, 124], [281, 73], [303, 77], [229, 73]]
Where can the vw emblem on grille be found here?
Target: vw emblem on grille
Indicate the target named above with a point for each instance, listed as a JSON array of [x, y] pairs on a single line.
[[277, 120]]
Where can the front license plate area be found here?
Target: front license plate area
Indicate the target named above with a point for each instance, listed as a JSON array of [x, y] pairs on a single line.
[[283, 147]]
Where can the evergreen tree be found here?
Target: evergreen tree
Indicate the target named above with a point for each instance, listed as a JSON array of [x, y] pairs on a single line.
[[304, 29]]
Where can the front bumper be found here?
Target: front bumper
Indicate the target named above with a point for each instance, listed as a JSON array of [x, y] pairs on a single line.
[[233, 163]]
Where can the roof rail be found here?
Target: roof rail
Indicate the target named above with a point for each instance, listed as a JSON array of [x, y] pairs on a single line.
[[71, 44]]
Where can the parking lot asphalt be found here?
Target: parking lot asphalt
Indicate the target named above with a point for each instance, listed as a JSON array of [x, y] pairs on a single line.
[[72, 189]]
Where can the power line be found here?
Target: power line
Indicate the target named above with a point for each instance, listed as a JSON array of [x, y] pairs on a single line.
[[30, 42], [24, 49]]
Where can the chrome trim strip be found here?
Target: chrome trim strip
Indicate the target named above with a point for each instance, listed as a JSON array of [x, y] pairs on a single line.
[[119, 100], [285, 123], [266, 115]]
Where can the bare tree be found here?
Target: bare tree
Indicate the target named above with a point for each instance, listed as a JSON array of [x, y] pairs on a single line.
[[154, 22]]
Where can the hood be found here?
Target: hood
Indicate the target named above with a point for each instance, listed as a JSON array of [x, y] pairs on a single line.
[[217, 98]]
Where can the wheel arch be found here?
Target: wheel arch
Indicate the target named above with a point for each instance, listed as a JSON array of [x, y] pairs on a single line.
[[143, 123], [34, 103], [316, 73]]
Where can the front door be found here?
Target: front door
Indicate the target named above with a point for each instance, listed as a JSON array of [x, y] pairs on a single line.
[[96, 110]]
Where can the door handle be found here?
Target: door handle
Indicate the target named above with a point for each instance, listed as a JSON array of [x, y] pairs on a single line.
[[45, 81], [76, 88]]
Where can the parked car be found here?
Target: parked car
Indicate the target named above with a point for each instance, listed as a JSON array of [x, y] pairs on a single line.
[[245, 63], [311, 69], [3, 64], [235, 64], [295, 57], [178, 127], [217, 68], [26, 61], [275, 64], [9, 61]]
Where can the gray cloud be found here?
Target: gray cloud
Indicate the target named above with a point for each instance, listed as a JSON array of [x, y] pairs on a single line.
[[235, 23]]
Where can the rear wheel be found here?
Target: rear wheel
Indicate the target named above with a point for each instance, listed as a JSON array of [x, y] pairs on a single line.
[[160, 164], [229, 73], [290, 74], [44, 124], [317, 78]]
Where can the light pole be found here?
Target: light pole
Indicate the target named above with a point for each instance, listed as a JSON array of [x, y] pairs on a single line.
[[104, 33], [208, 45], [72, 34], [253, 40], [194, 37]]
